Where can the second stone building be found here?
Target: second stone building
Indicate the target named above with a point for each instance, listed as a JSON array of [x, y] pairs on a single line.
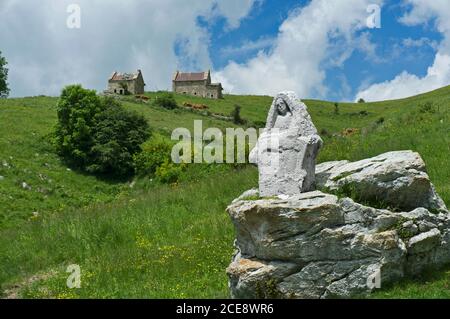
[[196, 84]]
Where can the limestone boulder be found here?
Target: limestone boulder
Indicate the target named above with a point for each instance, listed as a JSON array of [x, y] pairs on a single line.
[[395, 179], [315, 245]]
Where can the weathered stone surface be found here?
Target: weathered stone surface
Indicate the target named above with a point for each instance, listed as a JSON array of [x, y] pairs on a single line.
[[398, 179], [257, 279], [252, 193], [424, 242], [287, 150], [314, 245]]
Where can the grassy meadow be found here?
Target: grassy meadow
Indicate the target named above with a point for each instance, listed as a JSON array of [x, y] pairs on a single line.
[[141, 239]]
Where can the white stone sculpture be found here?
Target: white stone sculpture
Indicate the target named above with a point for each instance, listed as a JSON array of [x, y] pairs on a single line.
[[286, 151]]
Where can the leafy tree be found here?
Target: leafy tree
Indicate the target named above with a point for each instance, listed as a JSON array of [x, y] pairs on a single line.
[[166, 100], [96, 134], [76, 109], [4, 90], [361, 100], [118, 136]]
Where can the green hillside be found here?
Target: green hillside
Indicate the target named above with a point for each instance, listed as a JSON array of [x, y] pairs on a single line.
[[165, 241]]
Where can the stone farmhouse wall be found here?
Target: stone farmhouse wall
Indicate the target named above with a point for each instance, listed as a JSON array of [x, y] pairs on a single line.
[[197, 88], [133, 86], [196, 84]]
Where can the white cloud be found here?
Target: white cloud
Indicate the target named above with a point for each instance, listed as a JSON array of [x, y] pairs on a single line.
[[247, 47], [438, 75], [235, 10], [308, 38], [341, 51], [421, 42], [406, 84], [44, 55]]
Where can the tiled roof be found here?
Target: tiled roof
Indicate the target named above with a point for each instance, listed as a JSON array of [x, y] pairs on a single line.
[[116, 76], [182, 77]]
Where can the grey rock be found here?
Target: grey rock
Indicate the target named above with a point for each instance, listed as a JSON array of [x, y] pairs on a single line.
[[287, 149], [252, 193], [398, 179], [257, 279], [314, 245], [442, 252], [424, 242], [262, 230], [410, 228], [325, 170], [26, 186], [425, 226]]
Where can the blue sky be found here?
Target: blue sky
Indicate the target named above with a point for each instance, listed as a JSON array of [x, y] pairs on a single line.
[[317, 48], [392, 55], [263, 22]]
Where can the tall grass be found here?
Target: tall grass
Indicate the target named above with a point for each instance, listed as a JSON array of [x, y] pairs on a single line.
[[168, 243]]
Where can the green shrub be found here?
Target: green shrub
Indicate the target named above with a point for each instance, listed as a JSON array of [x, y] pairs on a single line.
[[154, 153], [118, 136], [96, 134], [380, 121], [169, 172], [76, 110], [236, 115], [324, 132], [427, 107], [166, 100], [336, 108]]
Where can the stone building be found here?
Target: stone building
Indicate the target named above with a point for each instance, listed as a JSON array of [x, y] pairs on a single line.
[[126, 83], [197, 84]]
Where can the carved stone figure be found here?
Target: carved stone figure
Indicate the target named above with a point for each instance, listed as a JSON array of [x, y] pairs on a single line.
[[286, 151]]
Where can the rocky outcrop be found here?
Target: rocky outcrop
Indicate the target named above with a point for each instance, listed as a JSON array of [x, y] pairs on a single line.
[[319, 245], [396, 179]]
